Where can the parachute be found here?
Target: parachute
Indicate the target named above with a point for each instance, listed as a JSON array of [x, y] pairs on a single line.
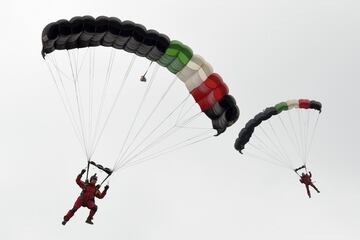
[[281, 134], [88, 69]]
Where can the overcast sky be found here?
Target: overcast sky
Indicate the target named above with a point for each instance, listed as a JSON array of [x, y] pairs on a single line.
[[266, 51]]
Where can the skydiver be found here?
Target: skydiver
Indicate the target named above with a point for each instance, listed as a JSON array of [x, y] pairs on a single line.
[[87, 197], [305, 178]]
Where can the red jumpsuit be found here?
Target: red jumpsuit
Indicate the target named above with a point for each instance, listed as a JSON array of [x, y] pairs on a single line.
[[306, 179], [86, 198]]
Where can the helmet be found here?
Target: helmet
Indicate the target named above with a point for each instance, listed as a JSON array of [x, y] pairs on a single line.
[[93, 177]]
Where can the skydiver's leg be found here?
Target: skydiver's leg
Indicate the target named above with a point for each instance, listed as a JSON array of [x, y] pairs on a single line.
[[308, 190], [72, 211], [93, 208], [315, 187]]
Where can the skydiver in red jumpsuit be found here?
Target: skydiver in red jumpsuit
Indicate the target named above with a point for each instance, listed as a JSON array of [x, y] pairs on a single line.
[[305, 178], [87, 197]]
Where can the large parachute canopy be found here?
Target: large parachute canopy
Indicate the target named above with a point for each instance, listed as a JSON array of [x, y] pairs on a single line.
[[99, 87], [281, 134]]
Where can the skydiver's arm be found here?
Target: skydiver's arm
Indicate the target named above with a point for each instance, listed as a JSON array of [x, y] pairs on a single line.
[[79, 182], [310, 174], [100, 194], [103, 193]]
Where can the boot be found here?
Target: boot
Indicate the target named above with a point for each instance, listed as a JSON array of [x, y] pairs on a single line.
[[89, 221], [64, 222]]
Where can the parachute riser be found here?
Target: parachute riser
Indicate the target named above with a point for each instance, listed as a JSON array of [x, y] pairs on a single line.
[[87, 170], [299, 168], [105, 179], [100, 167]]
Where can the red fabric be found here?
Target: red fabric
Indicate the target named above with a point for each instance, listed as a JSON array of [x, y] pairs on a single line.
[[304, 103], [80, 203], [86, 199], [207, 102], [199, 92], [211, 91], [306, 179], [211, 99], [212, 82], [220, 92], [89, 190], [308, 189]]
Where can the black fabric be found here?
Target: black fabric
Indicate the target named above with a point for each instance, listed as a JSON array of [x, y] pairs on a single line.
[[315, 105], [246, 133], [105, 169], [77, 24], [227, 117], [86, 31], [232, 115]]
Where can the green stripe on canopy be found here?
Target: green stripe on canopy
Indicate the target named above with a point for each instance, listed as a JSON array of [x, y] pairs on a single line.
[[281, 107], [176, 56]]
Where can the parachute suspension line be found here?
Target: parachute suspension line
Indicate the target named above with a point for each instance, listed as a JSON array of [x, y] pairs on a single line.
[[103, 97], [301, 133], [91, 92], [83, 59], [72, 117], [170, 131], [313, 133], [306, 136], [60, 72], [73, 124], [180, 112], [295, 133], [190, 119], [155, 142], [79, 108], [275, 145], [170, 149], [175, 128], [150, 115], [185, 113], [129, 157], [75, 57], [267, 154], [279, 142], [78, 100], [157, 127], [266, 150], [296, 148], [267, 159], [196, 128], [120, 155], [126, 76]]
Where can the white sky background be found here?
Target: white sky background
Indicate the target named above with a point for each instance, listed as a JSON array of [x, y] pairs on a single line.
[[266, 51]]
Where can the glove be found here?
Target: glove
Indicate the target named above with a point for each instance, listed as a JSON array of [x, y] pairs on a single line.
[[82, 172], [106, 187]]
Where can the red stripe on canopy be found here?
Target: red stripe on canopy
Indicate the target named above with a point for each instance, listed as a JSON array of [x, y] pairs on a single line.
[[304, 103]]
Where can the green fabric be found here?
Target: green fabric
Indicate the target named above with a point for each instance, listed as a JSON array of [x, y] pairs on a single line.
[[176, 56], [171, 53], [281, 107], [185, 55]]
